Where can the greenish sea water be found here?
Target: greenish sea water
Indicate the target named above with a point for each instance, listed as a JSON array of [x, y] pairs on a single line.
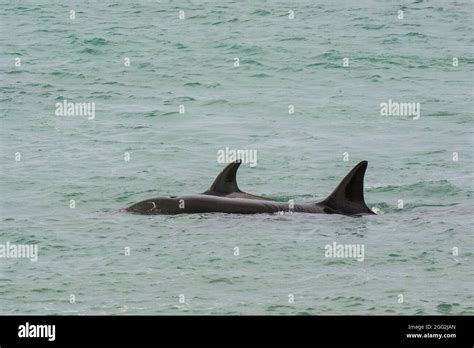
[[420, 173]]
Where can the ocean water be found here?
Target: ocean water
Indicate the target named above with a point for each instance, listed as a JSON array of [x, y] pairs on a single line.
[[418, 252]]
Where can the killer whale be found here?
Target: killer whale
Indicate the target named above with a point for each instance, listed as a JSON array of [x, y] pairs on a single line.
[[225, 184], [346, 199]]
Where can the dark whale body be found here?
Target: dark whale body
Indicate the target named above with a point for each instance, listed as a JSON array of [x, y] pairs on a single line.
[[225, 197]]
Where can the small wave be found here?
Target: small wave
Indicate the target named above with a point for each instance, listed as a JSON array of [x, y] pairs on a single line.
[[373, 26], [180, 46], [16, 71], [415, 34], [391, 40], [216, 102], [98, 95], [97, 41], [220, 280], [233, 20], [243, 49], [375, 78], [446, 307], [325, 65], [290, 69], [144, 65], [294, 39], [385, 208], [163, 114], [251, 62], [89, 50], [261, 13], [184, 99], [66, 74], [192, 84], [261, 75], [213, 85], [349, 299], [73, 38], [440, 114], [273, 308], [423, 188]]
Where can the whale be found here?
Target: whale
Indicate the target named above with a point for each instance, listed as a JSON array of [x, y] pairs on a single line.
[[346, 199]]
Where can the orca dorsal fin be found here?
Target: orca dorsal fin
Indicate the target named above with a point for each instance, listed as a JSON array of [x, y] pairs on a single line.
[[226, 182], [348, 197]]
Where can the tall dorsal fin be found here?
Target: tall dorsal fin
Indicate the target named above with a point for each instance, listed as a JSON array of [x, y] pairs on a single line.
[[226, 182], [348, 197]]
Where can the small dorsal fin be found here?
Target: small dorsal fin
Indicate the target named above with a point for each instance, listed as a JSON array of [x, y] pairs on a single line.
[[226, 182], [348, 197]]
